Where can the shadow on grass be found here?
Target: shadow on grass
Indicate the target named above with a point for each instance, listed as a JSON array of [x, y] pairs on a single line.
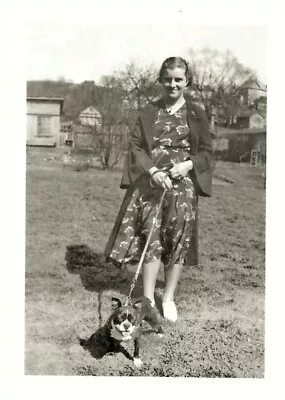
[[99, 275], [100, 345], [95, 272]]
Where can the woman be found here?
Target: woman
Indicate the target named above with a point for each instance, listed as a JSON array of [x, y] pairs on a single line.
[[169, 149]]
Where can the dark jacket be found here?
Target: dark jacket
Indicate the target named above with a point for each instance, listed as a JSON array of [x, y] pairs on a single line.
[[138, 161]]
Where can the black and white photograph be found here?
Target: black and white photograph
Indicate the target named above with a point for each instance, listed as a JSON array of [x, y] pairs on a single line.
[[145, 200], [141, 199]]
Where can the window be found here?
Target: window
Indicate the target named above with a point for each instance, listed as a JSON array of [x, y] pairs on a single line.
[[44, 126]]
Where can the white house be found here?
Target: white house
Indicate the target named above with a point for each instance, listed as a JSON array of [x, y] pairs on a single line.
[[43, 121], [90, 117]]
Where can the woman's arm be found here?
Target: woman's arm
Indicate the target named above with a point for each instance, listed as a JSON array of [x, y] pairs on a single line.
[[137, 160], [137, 149], [202, 159]]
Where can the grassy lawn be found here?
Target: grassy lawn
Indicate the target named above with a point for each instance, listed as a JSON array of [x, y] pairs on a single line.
[[220, 332]]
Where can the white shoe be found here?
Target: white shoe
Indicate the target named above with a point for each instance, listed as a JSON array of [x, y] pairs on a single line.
[[138, 362], [169, 310]]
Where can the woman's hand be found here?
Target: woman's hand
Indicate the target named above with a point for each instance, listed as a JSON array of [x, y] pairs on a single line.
[[160, 178], [180, 170]]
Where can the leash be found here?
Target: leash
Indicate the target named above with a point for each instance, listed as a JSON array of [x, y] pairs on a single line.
[[134, 281]]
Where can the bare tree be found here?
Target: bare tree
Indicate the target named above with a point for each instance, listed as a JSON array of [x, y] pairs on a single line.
[[120, 96], [113, 130], [217, 77], [138, 83]]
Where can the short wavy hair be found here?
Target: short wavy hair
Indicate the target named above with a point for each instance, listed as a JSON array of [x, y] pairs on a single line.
[[173, 62]]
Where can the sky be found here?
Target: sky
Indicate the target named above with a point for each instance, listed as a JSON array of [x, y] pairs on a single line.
[[86, 52]]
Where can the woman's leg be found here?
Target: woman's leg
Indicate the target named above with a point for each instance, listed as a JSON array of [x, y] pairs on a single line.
[[172, 276], [150, 272]]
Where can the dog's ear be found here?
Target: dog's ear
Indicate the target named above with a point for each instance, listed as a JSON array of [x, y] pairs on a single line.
[[116, 303]]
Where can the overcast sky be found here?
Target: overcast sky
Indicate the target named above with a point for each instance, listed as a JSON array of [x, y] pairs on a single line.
[[83, 52]]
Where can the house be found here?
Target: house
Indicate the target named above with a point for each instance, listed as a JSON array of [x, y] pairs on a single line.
[[90, 117], [43, 121], [250, 119], [250, 91], [240, 145]]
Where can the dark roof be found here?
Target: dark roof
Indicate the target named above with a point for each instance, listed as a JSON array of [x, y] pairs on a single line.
[[42, 99]]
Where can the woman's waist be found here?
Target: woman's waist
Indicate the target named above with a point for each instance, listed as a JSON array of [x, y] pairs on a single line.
[[166, 157], [145, 180]]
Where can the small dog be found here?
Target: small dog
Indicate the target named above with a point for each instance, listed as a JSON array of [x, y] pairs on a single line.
[[125, 323]]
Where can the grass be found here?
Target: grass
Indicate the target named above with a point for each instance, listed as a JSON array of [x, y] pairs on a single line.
[[220, 332]]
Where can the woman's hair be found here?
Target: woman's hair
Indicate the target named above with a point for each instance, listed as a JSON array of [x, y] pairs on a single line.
[[173, 62]]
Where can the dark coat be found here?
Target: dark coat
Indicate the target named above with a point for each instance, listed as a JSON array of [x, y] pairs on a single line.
[[138, 161]]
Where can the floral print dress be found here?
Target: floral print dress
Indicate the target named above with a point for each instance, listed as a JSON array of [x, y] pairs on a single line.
[[173, 229]]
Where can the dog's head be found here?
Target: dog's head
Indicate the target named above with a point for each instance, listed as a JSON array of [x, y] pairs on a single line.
[[123, 319]]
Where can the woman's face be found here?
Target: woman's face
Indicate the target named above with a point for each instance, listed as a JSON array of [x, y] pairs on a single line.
[[173, 83]]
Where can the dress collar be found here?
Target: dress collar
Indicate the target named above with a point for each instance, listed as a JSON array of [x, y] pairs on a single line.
[[173, 109]]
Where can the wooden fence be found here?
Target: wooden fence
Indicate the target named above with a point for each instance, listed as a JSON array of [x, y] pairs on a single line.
[[96, 137]]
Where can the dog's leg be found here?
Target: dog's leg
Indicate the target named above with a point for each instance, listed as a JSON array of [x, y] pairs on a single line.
[[152, 319], [114, 346], [159, 331], [137, 361]]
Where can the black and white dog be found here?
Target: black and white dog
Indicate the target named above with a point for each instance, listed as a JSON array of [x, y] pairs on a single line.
[[125, 323]]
